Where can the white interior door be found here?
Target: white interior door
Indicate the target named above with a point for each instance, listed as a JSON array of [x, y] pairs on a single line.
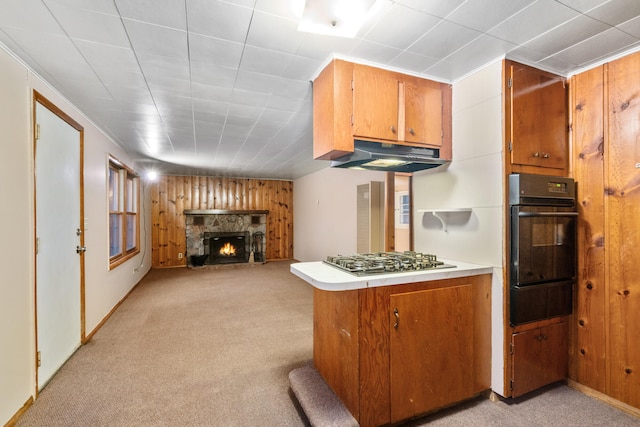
[[57, 223]]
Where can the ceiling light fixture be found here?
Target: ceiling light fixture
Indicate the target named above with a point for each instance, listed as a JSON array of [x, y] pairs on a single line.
[[335, 17]]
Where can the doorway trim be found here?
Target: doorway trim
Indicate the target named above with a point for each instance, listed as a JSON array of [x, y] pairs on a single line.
[[38, 98]]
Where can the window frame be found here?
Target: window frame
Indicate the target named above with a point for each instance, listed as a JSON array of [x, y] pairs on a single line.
[[118, 204], [400, 212]]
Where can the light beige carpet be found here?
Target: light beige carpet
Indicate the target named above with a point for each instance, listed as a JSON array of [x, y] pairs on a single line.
[[190, 347], [214, 347]]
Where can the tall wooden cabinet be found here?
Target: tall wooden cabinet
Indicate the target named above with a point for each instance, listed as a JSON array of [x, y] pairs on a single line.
[[355, 101], [536, 134], [606, 122]]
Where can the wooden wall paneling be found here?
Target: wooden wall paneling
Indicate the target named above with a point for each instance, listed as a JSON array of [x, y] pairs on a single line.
[[588, 330], [172, 195], [180, 235], [186, 184], [155, 223], [622, 213], [162, 221], [203, 193], [172, 254], [210, 193]]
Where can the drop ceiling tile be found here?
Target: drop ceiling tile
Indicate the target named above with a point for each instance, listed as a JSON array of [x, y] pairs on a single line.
[[470, 57], [262, 83], [443, 39], [171, 13], [28, 15], [265, 61], [296, 89], [119, 59], [616, 12], [284, 9], [92, 5], [261, 33], [582, 6], [90, 26], [210, 50], [374, 52], [211, 75], [211, 106], [201, 91], [218, 19], [301, 68], [530, 22], [320, 47], [400, 27], [154, 65], [249, 98], [281, 103], [412, 61], [596, 47], [631, 27], [439, 8], [157, 40], [275, 116], [478, 15], [566, 35]]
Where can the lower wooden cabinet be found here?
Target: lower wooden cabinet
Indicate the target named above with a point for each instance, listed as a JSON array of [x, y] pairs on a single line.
[[539, 357], [431, 346], [395, 352]]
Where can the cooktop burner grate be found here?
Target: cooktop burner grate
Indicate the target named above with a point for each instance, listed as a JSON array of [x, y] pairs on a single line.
[[385, 262]]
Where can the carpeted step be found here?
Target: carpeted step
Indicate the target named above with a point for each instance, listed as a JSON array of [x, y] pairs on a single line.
[[320, 404]]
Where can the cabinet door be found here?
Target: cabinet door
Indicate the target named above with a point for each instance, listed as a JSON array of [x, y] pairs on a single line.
[[423, 114], [375, 103], [539, 126], [431, 349], [539, 358]]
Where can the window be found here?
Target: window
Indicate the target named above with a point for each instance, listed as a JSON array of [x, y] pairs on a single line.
[[124, 233], [402, 209]]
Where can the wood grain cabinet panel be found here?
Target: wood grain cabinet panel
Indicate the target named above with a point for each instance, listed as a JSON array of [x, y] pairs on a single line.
[[431, 350], [375, 103], [539, 356], [538, 128]]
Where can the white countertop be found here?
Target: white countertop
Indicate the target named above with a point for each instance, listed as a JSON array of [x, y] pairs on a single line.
[[328, 278]]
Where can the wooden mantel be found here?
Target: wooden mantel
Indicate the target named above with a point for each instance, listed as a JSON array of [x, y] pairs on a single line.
[[225, 212]]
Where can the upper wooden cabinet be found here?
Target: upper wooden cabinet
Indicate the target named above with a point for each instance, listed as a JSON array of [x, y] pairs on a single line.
[[354, 101], [537, 128]]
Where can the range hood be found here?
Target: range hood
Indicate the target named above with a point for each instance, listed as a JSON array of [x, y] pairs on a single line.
[[389, 157]]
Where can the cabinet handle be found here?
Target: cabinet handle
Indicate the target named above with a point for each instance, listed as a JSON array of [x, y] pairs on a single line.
[[536, 154], [412, 132], [395, 313], [393, 129]]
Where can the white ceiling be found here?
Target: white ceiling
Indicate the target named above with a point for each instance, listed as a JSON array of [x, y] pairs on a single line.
[[208, 87]]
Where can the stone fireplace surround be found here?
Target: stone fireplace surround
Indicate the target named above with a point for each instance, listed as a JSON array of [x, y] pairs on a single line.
[[199, 222]]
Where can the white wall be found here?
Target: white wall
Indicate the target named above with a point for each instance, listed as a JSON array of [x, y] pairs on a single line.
[[103, 288], [474, 179], [325, 212]]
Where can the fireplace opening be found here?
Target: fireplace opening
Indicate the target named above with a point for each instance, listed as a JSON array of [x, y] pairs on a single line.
[[228, 247]]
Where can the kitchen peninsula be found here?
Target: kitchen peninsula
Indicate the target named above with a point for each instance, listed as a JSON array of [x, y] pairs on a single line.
[[393, 346]]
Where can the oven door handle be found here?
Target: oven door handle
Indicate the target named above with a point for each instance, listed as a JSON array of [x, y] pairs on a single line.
[[547, 214]]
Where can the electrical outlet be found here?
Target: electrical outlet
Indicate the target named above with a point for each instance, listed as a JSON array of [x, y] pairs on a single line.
[[179, 255]]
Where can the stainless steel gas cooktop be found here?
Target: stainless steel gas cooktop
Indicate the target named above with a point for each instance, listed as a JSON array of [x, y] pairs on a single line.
[[385, 262]]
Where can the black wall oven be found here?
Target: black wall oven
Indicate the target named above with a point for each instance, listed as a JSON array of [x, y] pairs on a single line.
[[543, 247]]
